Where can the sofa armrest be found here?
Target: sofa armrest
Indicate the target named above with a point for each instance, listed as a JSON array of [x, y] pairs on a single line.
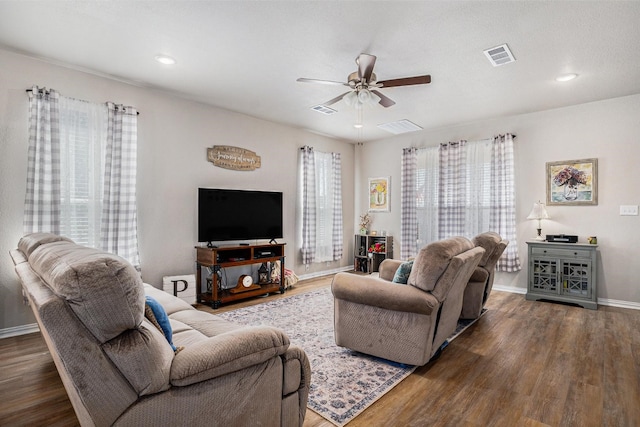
[[226, 353], [388, 268], [378, 292]]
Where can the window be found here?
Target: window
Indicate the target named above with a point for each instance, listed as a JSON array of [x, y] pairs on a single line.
[[321, 198], [459, 189], [83, 139], [81, 172]]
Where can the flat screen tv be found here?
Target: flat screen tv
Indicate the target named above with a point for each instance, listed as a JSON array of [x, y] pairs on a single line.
[[238, 215]]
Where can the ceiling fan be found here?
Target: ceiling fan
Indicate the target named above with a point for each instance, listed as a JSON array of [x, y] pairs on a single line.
[[364, 84]]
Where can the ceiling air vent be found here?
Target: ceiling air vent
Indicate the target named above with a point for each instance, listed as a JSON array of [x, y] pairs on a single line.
[[401, 126], [324, 109], [499, 55]]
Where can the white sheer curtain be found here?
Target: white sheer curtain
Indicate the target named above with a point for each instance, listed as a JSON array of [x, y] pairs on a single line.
[[81, 172], [83, 129], [460, 189], [320, 181]]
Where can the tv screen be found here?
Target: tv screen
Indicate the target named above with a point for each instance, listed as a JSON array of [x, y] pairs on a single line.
[[238, 215]]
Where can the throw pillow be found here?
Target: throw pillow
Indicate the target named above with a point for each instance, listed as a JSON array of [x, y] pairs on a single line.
[[158, 316], [402, 273]]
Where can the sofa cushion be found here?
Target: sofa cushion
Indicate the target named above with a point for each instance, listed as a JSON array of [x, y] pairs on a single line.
[[102, 289], [433, 260], [403, 272]]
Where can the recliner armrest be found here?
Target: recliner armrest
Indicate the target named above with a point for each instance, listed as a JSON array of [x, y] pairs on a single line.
[[226, 353], [378, 292], [388, 268]]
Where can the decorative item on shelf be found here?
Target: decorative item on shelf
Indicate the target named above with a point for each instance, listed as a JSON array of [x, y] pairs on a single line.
[[376, 248], [263, 274], [245, 283], [539, 212], [592, 240], [365, 220], [275, 272]]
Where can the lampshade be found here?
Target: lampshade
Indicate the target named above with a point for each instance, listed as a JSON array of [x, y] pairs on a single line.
[[539, 211]]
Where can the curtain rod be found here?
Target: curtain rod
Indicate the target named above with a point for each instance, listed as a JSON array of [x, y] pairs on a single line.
[[31, 90]]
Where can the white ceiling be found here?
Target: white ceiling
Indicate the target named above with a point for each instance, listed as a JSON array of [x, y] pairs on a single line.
[[245, 56]]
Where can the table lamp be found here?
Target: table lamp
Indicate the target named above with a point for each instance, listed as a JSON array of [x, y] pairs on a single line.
[[539, 212]]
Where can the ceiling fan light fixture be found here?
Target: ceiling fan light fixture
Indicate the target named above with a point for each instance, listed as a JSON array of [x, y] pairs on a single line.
[[364, 96], [351, 99]]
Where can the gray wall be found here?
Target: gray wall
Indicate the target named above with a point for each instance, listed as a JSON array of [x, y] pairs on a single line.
[[173, 135], [608, 130]]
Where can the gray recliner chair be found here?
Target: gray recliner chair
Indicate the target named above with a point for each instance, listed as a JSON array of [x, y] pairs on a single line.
[[405, 323], [480, 284]]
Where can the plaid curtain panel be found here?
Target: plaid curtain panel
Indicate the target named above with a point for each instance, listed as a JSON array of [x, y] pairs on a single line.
[[408, 208], [337, 233], [503, 201], [452, 193], [119, 213], [308, 174], [42, 198]]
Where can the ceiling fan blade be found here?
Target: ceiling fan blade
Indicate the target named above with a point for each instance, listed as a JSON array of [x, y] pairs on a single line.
[[324, 82], [385, 101], [365, 66], [336, 99], [407, 81]]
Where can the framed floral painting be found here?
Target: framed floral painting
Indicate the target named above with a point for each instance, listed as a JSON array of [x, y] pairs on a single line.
[[379, 194], [572, 182]]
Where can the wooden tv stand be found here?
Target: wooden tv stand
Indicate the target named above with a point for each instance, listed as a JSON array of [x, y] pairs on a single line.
[[234, 256]]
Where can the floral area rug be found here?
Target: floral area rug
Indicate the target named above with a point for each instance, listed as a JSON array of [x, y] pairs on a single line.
[[343, 382]]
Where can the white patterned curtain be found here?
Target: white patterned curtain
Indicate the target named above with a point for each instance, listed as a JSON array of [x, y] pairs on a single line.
[[408, 203], [503, 200], [119, 233], [322, 229], [460, 189], [72, 189], [42, 199]]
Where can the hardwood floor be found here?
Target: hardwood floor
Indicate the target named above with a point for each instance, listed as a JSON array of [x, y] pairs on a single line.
[[523, 363]]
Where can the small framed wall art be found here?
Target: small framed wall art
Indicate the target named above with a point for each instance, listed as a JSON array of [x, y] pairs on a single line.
[[379, 194], [572, 182]]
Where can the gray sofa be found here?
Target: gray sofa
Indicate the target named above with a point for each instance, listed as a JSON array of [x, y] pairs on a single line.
[[405, 323], [119, 369]]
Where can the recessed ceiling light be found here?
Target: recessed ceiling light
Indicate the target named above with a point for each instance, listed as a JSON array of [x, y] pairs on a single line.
[[166, 60], [358, 126], [566, 77]]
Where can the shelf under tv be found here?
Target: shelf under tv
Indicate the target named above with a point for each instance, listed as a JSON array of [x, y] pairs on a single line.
[[217, 258]]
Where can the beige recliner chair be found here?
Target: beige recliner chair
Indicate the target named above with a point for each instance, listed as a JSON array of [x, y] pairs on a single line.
[[479, 287], [405, 323]]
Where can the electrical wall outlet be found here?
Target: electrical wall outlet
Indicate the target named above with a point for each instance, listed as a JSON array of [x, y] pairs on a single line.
[[628, 210]]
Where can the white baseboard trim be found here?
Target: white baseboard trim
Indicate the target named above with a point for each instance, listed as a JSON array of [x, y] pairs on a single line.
[[618, 303], [325, 272], [509, 289], [601, 301], [19, 330]]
